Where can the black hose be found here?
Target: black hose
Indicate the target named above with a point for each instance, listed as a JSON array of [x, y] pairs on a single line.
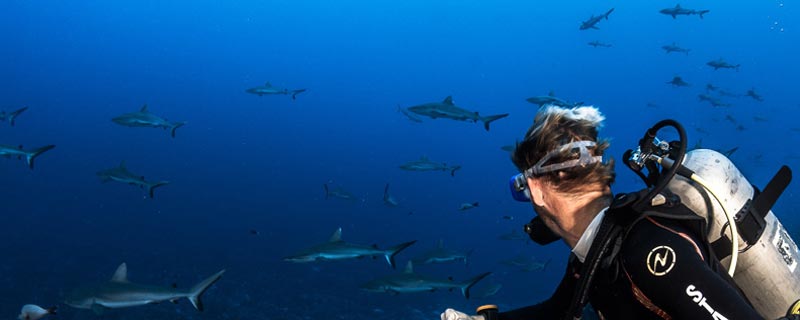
[[665, 178]]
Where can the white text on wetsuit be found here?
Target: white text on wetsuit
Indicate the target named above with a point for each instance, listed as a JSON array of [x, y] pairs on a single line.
[[698, 298]]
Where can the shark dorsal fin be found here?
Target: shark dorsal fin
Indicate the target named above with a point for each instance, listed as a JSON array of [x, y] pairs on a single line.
[[143, 109], [678, 6], [268, 85], [424, 158], [337, 235], [409, 267], [448, 100], [122, 164], [441, 243], [121, 275], [551, 93]]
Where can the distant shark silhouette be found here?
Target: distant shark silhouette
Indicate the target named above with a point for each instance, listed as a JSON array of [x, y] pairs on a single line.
[[121, 293]]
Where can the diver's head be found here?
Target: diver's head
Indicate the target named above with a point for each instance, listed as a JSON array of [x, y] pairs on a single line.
[[561, 160], [557, 137]]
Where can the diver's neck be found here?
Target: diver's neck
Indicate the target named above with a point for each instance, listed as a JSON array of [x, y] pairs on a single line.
[[577, 218]]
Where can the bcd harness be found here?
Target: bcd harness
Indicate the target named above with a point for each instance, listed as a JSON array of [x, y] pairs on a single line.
[[628, 209]]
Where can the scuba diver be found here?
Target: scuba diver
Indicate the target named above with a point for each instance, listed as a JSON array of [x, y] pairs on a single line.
[[650, 254]]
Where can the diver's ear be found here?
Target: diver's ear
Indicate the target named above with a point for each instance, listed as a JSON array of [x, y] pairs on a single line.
[[535, 187]]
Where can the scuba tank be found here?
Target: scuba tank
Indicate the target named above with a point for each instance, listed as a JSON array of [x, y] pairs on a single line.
[[764, 260]]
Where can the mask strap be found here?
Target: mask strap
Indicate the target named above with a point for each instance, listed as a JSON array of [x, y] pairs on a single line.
[[585, 159]]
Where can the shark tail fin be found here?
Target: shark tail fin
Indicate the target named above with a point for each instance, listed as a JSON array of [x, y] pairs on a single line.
[[175, 126], [13, 115], [609, 12], [471, 282], [489, 119], [197, 291], [393, 251], [151, 187], [325, 186], [453, 171], [702, 12], [296, 92], [35, 153]]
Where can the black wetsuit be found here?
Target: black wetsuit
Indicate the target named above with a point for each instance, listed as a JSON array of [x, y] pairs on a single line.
[[663, 271]]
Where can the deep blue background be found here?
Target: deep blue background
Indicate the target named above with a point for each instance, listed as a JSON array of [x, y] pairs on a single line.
[[245, 162]]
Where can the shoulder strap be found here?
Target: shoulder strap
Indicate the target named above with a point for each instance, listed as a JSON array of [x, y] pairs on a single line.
[[609, 237], [625, 211]]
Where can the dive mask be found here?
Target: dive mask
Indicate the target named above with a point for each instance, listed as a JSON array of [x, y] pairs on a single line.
[[519, 182]]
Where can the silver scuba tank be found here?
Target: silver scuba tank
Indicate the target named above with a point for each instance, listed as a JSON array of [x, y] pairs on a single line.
[[767, 269]]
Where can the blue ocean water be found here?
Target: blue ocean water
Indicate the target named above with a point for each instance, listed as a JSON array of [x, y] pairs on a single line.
[[245, 163]]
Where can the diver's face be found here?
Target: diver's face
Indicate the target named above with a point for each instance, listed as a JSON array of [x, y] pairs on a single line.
[[542, 200]]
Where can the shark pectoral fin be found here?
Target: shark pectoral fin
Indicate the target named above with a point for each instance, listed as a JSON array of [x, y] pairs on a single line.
[[174, 301], [144, 108], [98, 309]]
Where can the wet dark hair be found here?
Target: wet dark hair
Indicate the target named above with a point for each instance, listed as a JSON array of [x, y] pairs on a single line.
[[554, 127]]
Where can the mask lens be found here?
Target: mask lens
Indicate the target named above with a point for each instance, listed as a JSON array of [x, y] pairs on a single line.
[[519, 188]]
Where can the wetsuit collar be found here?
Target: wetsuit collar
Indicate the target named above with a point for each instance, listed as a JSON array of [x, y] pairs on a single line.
[[585, 242]]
